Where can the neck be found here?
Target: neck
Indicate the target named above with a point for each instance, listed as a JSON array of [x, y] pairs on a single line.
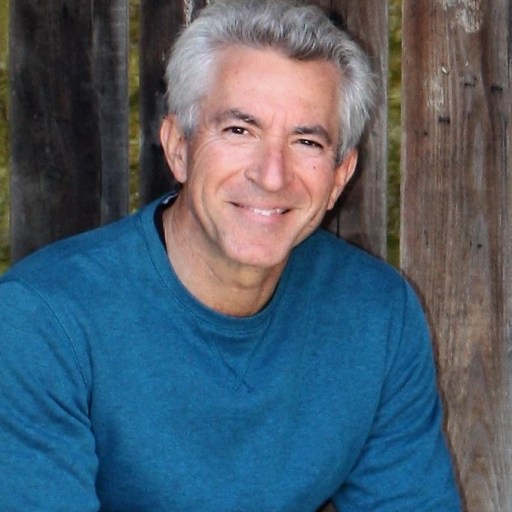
[[229, 288]]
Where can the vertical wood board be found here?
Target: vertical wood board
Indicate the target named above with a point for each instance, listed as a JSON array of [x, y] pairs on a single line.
[[360, 215], [110, 78], [161, 22], [59, 120], [456, 240], [53, 135]]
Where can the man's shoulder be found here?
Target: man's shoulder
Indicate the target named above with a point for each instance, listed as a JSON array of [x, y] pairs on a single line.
[[79, 256], [333, 272], [325, 253]]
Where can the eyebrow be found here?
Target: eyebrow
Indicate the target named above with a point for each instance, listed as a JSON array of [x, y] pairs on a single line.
[[316, 129], [234, 113]]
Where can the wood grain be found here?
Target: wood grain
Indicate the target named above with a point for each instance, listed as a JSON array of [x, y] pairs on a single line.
[[360, 215], [456, 242], [110, 75], [161, 22], [62, 139]]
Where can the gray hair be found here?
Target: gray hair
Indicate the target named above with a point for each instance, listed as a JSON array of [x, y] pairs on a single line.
[[296, 30]]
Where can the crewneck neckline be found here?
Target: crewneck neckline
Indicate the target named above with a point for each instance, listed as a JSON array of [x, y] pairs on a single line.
[[245, 325]]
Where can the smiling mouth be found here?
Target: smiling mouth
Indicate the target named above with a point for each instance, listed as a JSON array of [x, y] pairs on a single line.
[[267, 213], [263, 212]]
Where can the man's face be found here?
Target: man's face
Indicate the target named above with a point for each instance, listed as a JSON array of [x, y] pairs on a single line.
[[260, 170]]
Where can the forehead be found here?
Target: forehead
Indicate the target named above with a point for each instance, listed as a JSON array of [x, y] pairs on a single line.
[[264, 80]]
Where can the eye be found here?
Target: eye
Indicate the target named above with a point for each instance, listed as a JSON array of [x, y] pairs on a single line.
[[236, 130], [310, 143]]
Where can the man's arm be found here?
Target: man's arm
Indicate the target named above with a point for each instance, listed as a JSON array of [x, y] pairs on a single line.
[[405, 464], [47, 452]]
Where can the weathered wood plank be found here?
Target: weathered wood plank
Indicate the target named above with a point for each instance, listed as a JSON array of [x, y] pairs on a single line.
[[360, 215], [56, 116], [161, 22], [53, 129], [457, 223], [110, 78]]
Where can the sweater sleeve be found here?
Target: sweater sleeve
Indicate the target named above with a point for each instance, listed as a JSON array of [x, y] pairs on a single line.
[[47, 451], [405, 464]]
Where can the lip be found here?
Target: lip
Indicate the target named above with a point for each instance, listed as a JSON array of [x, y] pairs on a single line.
[[264, 211]]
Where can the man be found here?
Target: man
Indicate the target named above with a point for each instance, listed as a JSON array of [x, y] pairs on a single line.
[[215, 351]]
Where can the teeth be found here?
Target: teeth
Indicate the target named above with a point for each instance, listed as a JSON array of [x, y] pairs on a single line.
[[267, 213]]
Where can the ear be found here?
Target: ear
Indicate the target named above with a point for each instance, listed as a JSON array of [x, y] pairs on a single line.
[[342, 174], [175, 147]]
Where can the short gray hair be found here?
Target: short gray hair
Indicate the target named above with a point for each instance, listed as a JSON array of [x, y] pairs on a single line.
[[291, 27]]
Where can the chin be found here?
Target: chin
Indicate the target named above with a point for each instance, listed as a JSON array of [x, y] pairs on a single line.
[[260, 257]]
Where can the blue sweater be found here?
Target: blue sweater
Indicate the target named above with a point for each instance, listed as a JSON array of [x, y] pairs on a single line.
[[120, 392]]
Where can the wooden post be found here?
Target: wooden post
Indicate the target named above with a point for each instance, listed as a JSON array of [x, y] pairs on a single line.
[[360, 215], [58, 108], [110, 76], [457, 223], [161, 21], [4, 130]]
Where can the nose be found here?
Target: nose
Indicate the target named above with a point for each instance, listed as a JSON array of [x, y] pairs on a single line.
[[271, 170]]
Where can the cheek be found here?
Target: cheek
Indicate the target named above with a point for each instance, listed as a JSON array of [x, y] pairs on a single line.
[[318, 179], [209, 171], [217, 155]]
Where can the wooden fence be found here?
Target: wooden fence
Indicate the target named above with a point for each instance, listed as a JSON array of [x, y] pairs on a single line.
[[69, 134]]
